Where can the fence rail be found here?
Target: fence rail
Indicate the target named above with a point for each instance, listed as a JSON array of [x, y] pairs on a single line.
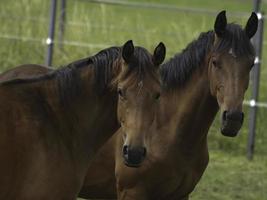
[[42, 41], [50, 41], [167, 7]]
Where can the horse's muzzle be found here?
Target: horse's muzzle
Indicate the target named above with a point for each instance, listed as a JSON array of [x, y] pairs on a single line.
[[231, 123], [133, 157]]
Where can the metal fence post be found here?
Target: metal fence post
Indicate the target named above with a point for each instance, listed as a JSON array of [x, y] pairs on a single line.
[[51, 33], [257, 41], [62, 22]]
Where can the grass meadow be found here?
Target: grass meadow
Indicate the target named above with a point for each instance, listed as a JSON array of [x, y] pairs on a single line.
[[91, 27]]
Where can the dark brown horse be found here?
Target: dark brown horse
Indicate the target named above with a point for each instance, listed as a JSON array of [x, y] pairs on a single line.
[[212, 73], [53, 121], [139, 90]]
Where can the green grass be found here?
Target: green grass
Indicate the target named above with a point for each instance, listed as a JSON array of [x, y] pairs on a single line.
[[229, 175], [233, 177]]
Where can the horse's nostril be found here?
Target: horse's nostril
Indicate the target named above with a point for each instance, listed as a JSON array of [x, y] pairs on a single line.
[[144, 152], [133, 156], [125, 150], [224, 115], [242, 117], [235, 116]]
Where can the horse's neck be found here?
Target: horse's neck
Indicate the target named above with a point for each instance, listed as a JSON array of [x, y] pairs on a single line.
[[191, 113], [82, 117]]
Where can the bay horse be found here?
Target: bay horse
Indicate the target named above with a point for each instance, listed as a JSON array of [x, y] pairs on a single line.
[[53, 121], [211, 73], [139, 90]]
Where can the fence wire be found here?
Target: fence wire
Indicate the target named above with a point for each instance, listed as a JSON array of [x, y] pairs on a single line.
[[162, 7], [166, 7]]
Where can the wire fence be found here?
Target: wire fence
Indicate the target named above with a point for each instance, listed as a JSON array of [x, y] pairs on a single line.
[[84, 24], [165, 7], [42, 41], [100, 28]]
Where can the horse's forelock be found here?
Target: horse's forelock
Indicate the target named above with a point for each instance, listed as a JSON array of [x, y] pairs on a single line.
[[236, 40], [140, 67]]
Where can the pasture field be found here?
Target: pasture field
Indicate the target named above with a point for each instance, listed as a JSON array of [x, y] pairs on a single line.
[[92, 27]]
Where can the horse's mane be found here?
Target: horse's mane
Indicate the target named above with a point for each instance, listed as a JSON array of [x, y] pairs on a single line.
[[101, 63], [68, 77], [103, 66], [178, 70]]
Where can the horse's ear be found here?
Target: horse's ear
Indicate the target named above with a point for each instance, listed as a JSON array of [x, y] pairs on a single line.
[[220, 24], [252, 25], [128, 51], [159, 54]]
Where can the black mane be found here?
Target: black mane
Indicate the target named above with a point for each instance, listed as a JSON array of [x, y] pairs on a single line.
[[68, 78], [178, 70], [103, 64]]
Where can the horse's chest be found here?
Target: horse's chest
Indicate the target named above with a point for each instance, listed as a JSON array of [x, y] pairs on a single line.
[[175, 184], [176, 177]]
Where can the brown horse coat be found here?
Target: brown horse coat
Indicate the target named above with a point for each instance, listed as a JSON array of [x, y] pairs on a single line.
[[211, 73], [26, 71], [60, 118], [52, 124]]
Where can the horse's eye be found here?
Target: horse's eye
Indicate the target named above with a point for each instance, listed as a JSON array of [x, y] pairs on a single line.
[[120, 93], [214, 63], [157, 96]]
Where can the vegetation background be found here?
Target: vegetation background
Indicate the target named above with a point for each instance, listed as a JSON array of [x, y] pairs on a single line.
[[91, 27]]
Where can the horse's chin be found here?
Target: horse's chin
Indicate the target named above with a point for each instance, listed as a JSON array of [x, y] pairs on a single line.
[[230, 128], [132, 165]]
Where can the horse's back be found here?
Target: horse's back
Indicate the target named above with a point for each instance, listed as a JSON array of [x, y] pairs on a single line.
[[25, 71]]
